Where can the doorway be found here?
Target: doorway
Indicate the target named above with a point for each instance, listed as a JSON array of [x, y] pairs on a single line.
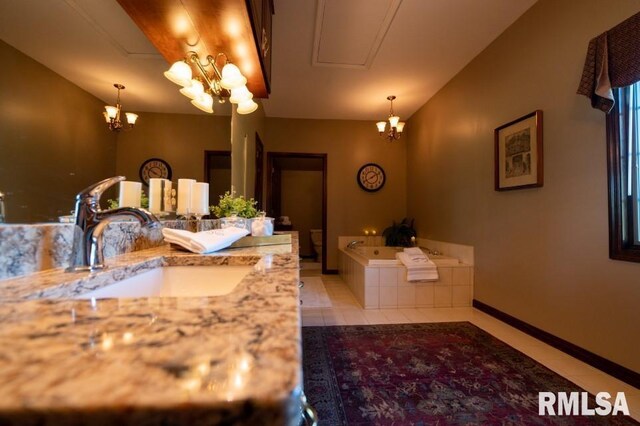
[[297, 188], [217, 173]]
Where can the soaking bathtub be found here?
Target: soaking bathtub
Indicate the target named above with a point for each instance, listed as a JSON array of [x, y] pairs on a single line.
[[378, 280]]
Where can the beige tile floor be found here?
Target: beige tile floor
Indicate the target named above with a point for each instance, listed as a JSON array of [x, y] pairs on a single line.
[[347, 311]]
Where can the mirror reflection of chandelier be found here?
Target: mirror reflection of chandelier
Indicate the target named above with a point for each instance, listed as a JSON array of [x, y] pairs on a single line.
[[219, 83], [395, 125], [113, 115]]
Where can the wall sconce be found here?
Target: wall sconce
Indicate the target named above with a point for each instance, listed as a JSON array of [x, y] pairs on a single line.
[[395, 125], [112, 114], [201, 90]]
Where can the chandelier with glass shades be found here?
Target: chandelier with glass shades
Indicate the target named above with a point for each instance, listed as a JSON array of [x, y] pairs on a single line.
[[113, 114], [219, 83], [395, 125]]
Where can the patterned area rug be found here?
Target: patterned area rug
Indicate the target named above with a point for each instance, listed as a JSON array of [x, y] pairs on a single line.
[[428, 374], [313, 294]]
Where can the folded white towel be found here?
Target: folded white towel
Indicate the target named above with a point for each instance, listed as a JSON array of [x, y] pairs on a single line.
[[419, 267], [206, 241]]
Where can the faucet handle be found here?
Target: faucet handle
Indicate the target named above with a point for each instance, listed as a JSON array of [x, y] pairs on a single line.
[[95, 191]]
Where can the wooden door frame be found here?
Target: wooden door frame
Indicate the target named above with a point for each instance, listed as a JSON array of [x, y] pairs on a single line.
[[258, 190], [270, 158]]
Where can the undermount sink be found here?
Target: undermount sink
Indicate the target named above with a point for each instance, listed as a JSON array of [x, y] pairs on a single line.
[[175, 281]]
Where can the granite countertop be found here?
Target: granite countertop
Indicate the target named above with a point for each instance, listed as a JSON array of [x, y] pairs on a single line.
[[203, 360]]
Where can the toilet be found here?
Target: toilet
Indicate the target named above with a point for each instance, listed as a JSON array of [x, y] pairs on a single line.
[[316, 241]]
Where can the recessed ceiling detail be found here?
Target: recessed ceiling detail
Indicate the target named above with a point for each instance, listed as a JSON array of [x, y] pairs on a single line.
[[348, 33], [110, 23]]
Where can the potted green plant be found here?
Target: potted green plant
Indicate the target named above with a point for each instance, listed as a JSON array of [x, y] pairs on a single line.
[[400, 234], [230, 205]]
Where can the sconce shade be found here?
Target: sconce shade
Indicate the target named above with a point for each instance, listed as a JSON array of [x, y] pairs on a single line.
[[194, 90], [247, 107], [240, 94], [131, 118], [204, 103], [232, 77], [381, 126], [393, 120], [179, 73]]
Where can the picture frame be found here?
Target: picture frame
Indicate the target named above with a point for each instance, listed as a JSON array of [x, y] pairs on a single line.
[[519, 161]]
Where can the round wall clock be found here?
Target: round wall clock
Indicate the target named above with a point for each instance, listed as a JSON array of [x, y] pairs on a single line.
[[154, 168], [371, 177]]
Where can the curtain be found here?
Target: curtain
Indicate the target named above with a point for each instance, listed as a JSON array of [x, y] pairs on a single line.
[[613, 60]]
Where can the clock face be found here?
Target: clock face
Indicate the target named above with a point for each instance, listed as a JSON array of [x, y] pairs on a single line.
[[371, 177], [154, 168]]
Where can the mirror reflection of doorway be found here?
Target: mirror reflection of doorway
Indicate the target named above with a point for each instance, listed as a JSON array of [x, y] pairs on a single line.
[[217, 172], [297, 189]]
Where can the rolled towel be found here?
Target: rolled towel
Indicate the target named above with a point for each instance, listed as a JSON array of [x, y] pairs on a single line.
[[206, 241]]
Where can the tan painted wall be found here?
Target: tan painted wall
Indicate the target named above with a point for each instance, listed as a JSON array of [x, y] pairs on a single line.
[[180, 139], [53, 139], [302, 202], [243, 151], [541, 254], [349, 145]]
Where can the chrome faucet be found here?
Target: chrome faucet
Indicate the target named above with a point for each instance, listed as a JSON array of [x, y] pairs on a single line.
[[90, 222], [354, 243], [2, 213]]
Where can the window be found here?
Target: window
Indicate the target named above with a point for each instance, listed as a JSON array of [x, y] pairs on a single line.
[[623, 145]]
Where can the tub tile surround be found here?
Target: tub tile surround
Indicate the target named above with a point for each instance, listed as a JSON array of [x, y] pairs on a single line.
[[183, 360], [25, 249], [386, 287]]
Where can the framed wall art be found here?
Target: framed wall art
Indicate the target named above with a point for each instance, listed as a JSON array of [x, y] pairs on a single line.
[[518, 153]]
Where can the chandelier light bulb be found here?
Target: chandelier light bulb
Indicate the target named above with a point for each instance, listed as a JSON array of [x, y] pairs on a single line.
[[232, 77], [247, 107], [111, 112], [381, 126], [393, 120], [400, 127], [194, 90], [179, 73], [240, 94], [131, 118], [204, 102]]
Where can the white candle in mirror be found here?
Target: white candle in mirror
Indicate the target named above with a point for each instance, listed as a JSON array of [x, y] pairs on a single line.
[[157, 189], [200, 198], [184, 196], [130, 193]]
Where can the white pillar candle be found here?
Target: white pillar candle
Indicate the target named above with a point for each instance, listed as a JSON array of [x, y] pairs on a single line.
[[184, 196], [130, 193], [158, 189], [200, 198]]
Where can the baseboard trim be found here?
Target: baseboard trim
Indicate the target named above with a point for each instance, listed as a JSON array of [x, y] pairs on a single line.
[[331, 272], [616, 370]]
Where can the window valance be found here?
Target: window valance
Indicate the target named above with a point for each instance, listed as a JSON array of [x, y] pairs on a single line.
[[613, 60]]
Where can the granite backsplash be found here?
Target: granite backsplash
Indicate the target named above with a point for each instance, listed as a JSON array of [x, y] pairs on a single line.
[[26, 249]]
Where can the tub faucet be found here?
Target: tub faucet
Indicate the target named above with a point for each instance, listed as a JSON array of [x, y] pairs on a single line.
[[354, 243], [2, 213], [90, 222]]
